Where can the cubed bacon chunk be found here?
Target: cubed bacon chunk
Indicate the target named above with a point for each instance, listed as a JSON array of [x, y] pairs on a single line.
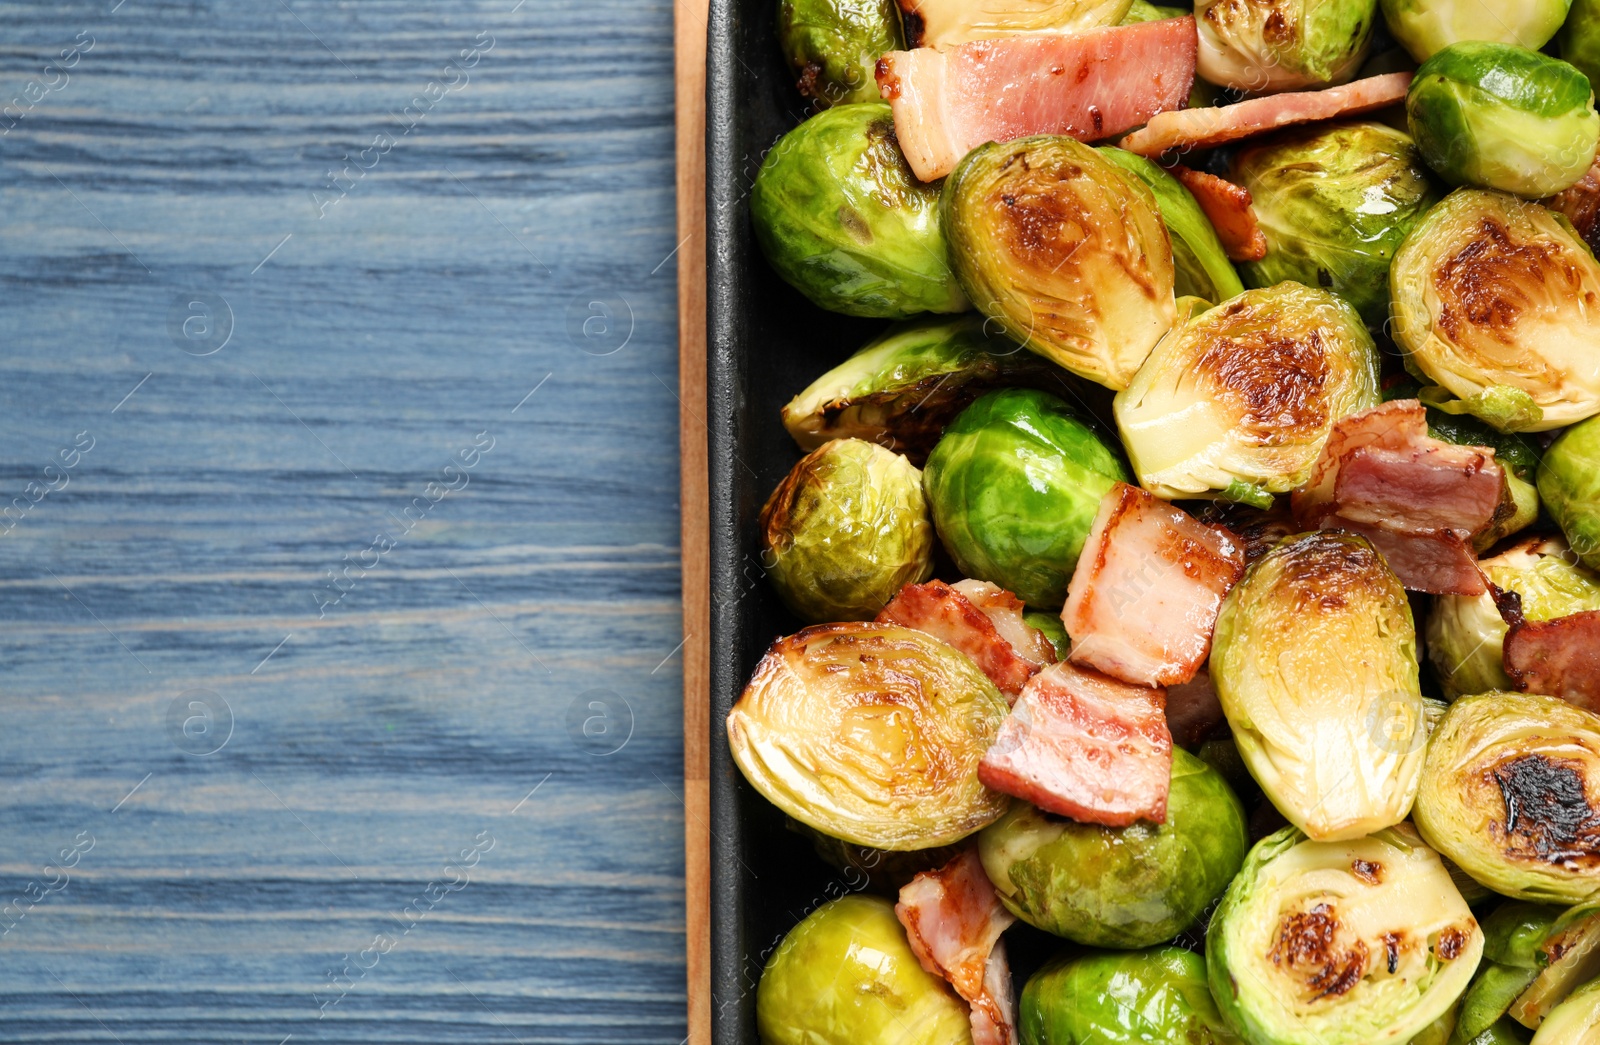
[[1088, 85], [981, 620], [953, 920], [1086, 746], [1145, 596], [1559, 658], [1230, 209]]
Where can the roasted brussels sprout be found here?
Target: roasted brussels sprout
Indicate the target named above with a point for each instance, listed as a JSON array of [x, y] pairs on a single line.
[[1568, 956], [901, 390], [1512, 935], [1569, 485], [1425, 27], [1014, 486], [944, 23], [833, 46], [878, 869], [1504, 1032], [1580, 38], [1510, 792], [870, 733], [1201, 264], [1237, 402], [1266, 46], [1575, 1021], [1050, 624], [1143, 11], [845, 530], [1122, 999], [1315, 661], [1466, 634], [1496, 300], [840, 216], [1503, 117], [1120, 887], [1051, 240], [1340, 943], [1335, 202], [847, 976]]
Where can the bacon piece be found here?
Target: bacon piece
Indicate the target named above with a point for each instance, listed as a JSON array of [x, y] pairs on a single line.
[[1088, 85], [953, 920], [1086, 746], [1228, 207], [1419, 500], [1202, 128], [1149, 584], [1559, 658], [1581, 205], [989, 630], [1193, 710]]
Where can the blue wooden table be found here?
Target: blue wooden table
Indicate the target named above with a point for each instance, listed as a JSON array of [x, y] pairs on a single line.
[[338, 550]]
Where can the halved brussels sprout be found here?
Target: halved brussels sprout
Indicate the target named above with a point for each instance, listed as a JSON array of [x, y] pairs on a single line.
[[1237, 402], [945, 23], [1512, 935], [870, 733], [1575, 1021], [1569, 484], [1123, 999], [1335, 201], [1266, 46], [1503, 117], [1496, 300], [1201, 263], [901, 390], [1014, 486], [1315, 661], [1511, 792], [1340, 943], [840, 216], [845, 530], [1120, 887], [847, 976], [1568, 956], [1425, 27], [833, 46], [1466, 634], [1051, 240]]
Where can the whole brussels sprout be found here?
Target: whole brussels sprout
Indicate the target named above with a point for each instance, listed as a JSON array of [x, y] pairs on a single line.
[[1335, 201], [1509, 793], [1050, 624], [1199, 259], [1497, 301], [1425, 27], [833, 46], [1504, 1032], [1567, 957], [1315, 661], [845, 530], [1014, 486], [1569, 485], [846, 976], [1340, 943], [1503, 117], [1512, 935], [1580, 38], [1069, 256], [870, 733], [1236, 403], [1466, 634], [1120, 887], [1122, 999], [1143, 11], [1266, 46], [1575, 1021], [840, 216]]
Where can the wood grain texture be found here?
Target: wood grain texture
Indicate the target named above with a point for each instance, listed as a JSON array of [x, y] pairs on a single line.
[[349, 551]]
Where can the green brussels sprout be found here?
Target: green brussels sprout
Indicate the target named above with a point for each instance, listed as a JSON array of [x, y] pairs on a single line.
[[1576, 1021], [944, 23], [833, 46], [1466, 634], [870, 733], [847, 976], [901, 390], [845, 530], [1236, 403], [1580, 37], [1335, 201], [1315, 661], [1340, 943], [1052, 241], [1054, 630], [1014, 486], [1198, 257], [1569, 485], [1511, 935], [1503, 117], [1143, 11], [878, 869], [1507, 791], [1120, 887], [1122, 999], [1497, 301], [840, 216], [1504, 1032], [1425, 27], [1266, 46], [1567, 957]]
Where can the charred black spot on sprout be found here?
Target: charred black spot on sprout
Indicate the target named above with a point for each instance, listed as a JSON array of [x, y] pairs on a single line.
[[1307, 947], [1368, 871], [1547, 812]]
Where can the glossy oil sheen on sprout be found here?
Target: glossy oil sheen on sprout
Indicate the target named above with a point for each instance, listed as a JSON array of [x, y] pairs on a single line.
[[1158, 995], [1266, 46]]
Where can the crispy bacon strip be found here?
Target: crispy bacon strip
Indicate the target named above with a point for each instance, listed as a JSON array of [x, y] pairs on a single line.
[[1559, 658], [953, 920], [981, 620], [1228, 207], [1203, 128], [1086, 746]]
